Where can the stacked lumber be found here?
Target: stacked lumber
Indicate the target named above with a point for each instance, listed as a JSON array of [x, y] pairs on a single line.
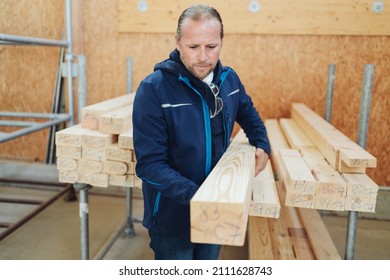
[[299, 233], [99, 151], [320, 167], [342, 153]]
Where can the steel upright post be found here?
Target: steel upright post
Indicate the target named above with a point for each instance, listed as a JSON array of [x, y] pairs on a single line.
[[84, 219], [365, 102]]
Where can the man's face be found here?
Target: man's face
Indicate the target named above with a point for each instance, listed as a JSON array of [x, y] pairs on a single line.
[[200, 46]]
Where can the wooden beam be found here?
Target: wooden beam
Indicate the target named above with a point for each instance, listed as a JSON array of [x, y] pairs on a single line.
[[265, 200], [298, 179], [333, 144], [117, 121], [70, 136], [301, 247], [90, 114], [329, 181], [320, 239], [320, 17], [277, 142], [219, 209], [295, 136], [260, 244], [361, 193], [125, 139]]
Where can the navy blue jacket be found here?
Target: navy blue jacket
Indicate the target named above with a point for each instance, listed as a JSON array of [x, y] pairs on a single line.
[[177, 143]]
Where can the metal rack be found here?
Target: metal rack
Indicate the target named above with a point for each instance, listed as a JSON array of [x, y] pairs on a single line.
[[70, 71], [52, 119], [365, 103], [127, 229]]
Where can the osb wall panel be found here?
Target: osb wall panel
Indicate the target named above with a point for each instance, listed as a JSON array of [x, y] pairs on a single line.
[[276, 70], [27, 74]]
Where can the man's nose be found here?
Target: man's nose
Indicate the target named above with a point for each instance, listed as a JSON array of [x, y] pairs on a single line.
[[203, 54]]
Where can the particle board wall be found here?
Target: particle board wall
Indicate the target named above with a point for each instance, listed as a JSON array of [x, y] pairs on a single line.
[[276, 70], [27, 73]]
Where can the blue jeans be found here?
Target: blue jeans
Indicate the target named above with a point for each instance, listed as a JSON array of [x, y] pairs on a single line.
[[167, 247]]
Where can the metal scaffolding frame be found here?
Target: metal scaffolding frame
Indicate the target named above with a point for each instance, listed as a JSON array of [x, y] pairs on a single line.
[[364, 113], [27, 127]]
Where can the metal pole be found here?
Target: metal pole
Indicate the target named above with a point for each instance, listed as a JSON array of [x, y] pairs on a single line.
[[329, 94], [82, 83], [32, 41], [34, 127], [84, 221], [365, 102], [129, 228], [69, 59]]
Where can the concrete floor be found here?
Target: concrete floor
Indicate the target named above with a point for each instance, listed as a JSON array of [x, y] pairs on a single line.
[[54, 233]]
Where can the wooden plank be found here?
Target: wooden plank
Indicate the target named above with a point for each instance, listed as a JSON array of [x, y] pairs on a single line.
[[297, 246], [77, 136], [66, 164], [90, 114], [259, 244], [277, 141], [68, 152], [321, 17], [265, 200], [361, 193], [301, 247], [71, 177], [116, 121], [70, 136], [329, 181], [320, 239], [296, 138], [360, 204], [345, 168], [360, 185], [94, 153], [125, 139], [332, 143], [219, 209], [113, 152], [298, 178], [95, 139], [314, 127], [123, 181], [331, 203]]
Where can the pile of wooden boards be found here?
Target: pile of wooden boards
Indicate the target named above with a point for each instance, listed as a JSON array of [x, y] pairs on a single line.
[[320, 167], [99, 151]]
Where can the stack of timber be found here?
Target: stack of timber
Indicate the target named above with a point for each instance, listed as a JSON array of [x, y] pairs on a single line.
[[99, 151], [299, 233], [321, 168]]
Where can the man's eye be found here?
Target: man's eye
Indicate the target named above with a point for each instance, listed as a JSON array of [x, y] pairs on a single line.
[[193, 47]]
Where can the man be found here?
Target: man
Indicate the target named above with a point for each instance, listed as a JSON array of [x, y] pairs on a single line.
[[183, 118]]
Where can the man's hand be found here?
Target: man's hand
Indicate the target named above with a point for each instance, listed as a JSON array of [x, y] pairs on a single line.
[[261, 160]]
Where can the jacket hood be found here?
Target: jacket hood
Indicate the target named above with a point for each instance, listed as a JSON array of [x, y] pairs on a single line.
[[175, 66]]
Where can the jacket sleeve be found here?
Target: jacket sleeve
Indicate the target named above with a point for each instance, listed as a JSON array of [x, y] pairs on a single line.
[[150, 137], [250, 121]]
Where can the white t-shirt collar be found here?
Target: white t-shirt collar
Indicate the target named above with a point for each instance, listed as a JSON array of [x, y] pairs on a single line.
[[209, 78]]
